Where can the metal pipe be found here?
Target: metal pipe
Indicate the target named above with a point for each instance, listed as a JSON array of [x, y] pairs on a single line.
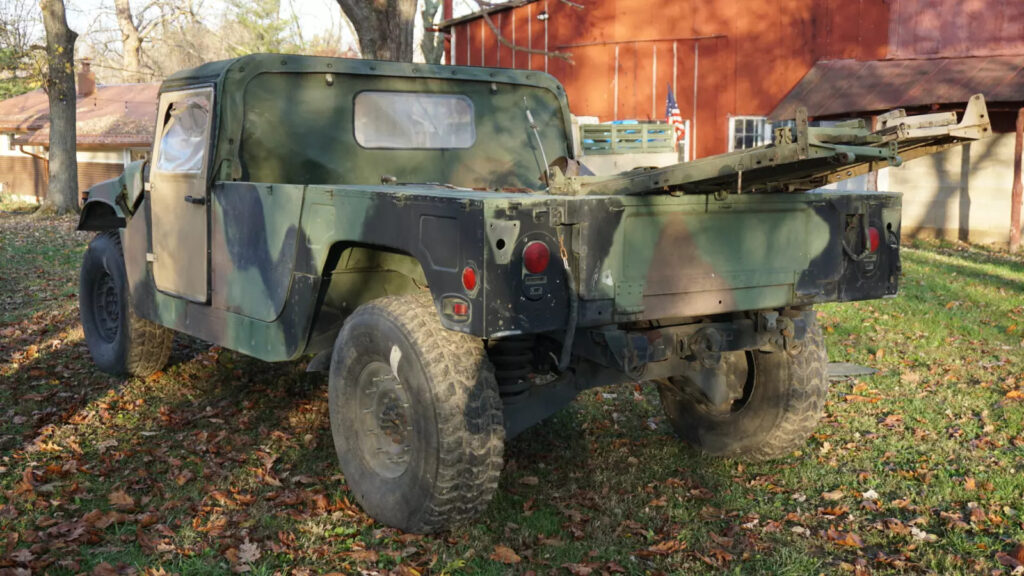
[[654, 78], [529, 35], [1018, 186], [696, 64], [514, 39], [547, 10], [612, 42], [615, 83]]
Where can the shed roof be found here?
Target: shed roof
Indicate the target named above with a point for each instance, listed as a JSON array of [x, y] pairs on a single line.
[[837, 87], [114, 115], [488, 9]]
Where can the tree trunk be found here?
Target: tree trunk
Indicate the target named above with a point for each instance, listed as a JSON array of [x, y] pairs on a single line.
[[432, 44], [62, 193], [384, 27], [131, 49]]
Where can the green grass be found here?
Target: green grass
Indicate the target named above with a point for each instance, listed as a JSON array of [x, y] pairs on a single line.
[[220, 454]]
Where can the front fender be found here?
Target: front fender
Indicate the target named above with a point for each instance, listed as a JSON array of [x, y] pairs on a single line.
[[103, 208], [110, 203]]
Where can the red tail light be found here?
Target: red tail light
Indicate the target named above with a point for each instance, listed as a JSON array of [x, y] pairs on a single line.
[[874, 239], [536, 257], [469, 279]]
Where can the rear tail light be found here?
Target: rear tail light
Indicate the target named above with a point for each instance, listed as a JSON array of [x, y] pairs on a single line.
[[874, 239], [469, 278], [536, 256]]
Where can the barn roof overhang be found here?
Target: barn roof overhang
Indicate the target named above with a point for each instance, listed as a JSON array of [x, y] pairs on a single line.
[[490, 9], [844, 87]]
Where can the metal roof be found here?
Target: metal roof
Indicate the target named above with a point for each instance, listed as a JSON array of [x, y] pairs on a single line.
[[838, 87], [114, 115], [491, 9]]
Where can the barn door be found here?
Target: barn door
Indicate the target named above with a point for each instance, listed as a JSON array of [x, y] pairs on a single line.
[[179, 194]]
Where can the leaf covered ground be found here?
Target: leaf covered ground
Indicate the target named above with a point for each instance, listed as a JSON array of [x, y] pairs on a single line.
[[224, 463]]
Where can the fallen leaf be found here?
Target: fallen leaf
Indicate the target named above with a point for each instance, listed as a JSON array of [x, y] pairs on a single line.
[[248, 552], [505, 555], [104, 569], [844, 538], [578, 569], [529, 480], [120, 500], [833, 495], [919, 534], [869, 495]]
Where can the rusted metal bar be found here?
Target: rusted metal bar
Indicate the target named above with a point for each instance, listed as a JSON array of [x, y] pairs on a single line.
[[1018, 186], [641, 40]]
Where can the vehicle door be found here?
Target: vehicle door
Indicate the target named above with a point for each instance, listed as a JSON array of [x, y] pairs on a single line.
[[178, 181]]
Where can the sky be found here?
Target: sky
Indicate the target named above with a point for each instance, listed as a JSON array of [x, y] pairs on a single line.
[[315, 16]]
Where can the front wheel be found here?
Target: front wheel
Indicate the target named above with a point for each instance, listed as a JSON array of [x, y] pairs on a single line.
[[119, 341], [778, 402], [415, 415]]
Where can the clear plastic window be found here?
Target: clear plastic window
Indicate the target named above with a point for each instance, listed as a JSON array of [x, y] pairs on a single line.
[[184, 137], [413, 120]]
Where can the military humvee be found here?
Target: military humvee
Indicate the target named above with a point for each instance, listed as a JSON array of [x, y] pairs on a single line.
[[427, 233]]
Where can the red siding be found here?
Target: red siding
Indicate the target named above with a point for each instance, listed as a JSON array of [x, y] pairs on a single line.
[[764, 48], [933, 28]]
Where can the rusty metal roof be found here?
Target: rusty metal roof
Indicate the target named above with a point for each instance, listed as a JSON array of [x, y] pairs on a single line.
[[838, 87], [118, 115]]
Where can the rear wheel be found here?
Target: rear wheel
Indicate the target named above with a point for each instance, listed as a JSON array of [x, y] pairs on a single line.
[[776, 399], [119, 341], [415, 415]]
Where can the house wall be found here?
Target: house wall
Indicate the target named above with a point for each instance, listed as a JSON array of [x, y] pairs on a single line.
[[24, 177], [960, 194], [753, 53]]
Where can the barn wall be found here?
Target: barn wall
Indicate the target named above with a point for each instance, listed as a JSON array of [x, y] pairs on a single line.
[[934, 28], [756, 53], [960, 194]]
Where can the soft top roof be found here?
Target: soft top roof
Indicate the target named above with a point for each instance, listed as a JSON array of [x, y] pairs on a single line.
[[215, 72]]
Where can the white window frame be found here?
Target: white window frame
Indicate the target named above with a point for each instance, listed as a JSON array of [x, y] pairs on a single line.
[[762, 137]]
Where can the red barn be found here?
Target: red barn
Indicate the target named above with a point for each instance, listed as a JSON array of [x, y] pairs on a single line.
[[724, 58], [736, 65]]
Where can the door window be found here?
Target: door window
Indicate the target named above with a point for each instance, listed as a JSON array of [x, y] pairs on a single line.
[[183, 141]]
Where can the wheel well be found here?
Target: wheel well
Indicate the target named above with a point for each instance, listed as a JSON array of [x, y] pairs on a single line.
[[98, 215], [353, 275]]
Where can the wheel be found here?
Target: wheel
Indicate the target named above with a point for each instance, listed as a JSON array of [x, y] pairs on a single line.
[[120, 342], [775, 403], [415, 415]]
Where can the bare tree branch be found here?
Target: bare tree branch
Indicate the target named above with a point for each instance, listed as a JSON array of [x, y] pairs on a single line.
[[566, 56]]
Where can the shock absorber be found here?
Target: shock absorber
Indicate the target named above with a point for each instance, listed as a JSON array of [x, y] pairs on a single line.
[[513, 361]]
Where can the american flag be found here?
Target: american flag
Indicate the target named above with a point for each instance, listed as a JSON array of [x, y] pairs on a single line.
[[674, 118]]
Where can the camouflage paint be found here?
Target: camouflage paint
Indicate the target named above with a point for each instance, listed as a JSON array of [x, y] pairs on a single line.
[[292, 257]]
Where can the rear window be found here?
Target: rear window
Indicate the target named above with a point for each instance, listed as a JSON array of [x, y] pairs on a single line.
[[413, 120]]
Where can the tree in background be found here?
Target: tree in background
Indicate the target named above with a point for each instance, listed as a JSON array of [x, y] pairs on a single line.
[[21, 67], [385, 27], [257, 26], [62, 193], [432, 43]]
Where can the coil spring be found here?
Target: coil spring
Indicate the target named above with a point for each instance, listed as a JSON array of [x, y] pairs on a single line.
[[513, 361]]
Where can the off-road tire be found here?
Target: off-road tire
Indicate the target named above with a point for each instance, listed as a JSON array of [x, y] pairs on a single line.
[[120, 342], [782, 410], [457, 435]]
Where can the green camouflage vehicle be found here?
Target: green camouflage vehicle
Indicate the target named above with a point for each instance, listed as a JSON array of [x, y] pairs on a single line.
[[427, 233]]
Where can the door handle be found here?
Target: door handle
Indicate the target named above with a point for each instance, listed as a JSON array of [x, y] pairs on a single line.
[[195, 199]]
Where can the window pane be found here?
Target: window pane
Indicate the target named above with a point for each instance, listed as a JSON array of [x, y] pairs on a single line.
[[413, 120], [183, 141]]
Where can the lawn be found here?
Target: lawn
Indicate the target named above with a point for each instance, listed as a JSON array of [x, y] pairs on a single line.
[[222, 462]]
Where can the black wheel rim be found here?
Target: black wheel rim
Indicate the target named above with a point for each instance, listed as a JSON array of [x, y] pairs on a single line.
[[106, 307], [383, 425]]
